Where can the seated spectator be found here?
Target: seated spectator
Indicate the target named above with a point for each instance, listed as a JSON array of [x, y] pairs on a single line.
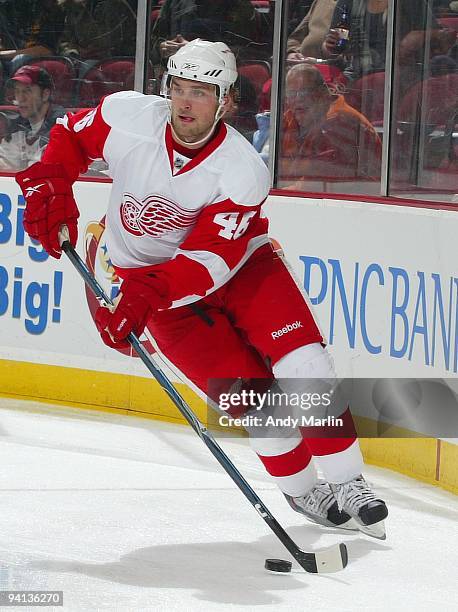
[[98, 29], [307, 39], [28, 134], [333, 79], [29, 29], [183, 20], [322, 136]]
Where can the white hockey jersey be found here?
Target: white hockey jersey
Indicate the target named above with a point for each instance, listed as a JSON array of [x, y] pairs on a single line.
[[192, 221]]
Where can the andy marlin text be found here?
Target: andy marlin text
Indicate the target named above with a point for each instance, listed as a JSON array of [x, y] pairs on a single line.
[[289, 421]]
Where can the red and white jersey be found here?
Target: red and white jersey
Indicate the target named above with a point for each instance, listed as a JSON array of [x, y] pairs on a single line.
[[194, 222]]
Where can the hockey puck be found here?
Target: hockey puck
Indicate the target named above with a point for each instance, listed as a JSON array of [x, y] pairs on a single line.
[[278, 565]]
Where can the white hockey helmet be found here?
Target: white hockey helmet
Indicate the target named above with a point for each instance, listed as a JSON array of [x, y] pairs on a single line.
[[201, 60]]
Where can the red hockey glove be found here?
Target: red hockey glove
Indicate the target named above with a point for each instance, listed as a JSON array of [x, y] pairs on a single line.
[[141, 296], [49, 205]]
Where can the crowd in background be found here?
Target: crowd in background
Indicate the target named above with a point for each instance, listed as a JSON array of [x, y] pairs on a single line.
[[332, 97]]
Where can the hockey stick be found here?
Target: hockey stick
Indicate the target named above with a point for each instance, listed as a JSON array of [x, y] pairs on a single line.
[[321, 561]]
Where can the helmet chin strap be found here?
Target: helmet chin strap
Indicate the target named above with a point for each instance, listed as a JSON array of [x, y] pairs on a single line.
[[219, 113]]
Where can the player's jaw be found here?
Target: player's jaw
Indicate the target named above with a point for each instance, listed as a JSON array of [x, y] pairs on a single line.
[[194, 107], [191, 126]]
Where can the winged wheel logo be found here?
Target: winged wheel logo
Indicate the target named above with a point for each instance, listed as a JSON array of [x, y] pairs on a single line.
[[154, 216]]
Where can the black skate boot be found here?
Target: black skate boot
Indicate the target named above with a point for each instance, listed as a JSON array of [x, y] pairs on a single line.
[[357, 499]]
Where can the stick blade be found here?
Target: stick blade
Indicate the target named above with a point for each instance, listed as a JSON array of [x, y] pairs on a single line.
[[325, 561]]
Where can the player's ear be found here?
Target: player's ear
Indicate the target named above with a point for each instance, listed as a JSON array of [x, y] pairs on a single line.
[[228, 102]]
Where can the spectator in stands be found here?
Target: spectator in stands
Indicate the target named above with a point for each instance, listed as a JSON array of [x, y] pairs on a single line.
[[28, 133], [322, 136], [366, 48], [30, 28], [307, 39], [233, 22], [333, 79], [98, 29]]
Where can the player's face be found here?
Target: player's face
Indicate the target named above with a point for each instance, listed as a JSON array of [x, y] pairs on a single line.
[[32, 101], [194, 105]]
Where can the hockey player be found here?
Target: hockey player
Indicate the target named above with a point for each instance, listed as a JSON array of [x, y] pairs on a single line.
[[184, 230]]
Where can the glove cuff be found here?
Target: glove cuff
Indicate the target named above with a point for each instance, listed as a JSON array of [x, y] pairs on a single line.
[[39, 170], [149, 287]]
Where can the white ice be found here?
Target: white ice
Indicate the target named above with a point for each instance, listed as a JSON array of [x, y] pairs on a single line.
[[128, 514]]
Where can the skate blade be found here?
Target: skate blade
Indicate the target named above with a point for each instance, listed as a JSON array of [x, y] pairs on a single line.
[[377, 530], [350, 525]]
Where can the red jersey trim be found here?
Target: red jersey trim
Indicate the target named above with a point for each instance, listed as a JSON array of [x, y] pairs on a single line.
[[202, 154], [190, 153]]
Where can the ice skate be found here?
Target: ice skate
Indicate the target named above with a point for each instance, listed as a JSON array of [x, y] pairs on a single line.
[[356, 498], [320, 506]]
